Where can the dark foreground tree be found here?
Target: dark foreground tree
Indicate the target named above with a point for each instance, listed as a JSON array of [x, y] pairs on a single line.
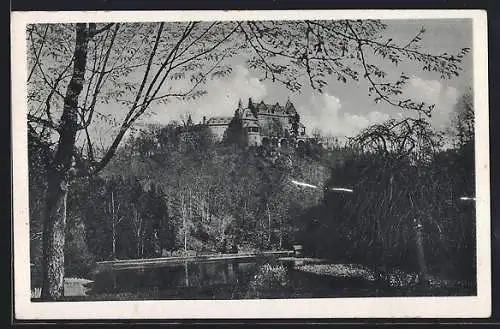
[[77, 71]]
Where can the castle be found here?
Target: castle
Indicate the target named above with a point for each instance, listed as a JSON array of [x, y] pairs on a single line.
[[262, 123]]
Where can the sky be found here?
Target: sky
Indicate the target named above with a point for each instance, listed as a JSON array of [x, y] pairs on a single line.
[[342, 109]]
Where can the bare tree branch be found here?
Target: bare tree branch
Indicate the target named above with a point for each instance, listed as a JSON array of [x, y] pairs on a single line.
[[95, 32], [188, 92], [44, 122], [38, 53], [98, 84], [146, 74]]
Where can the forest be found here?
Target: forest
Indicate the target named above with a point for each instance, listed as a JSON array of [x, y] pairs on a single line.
[[100, 190], [168, 193]]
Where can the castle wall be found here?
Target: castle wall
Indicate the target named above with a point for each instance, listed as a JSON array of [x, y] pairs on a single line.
[[253, 139], [275, 124], [218, 131], [273, 121]]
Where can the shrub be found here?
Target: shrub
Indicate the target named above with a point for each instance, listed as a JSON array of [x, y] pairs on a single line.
[[270, 281], [180, 253], [79, 261], [376, 226], [36, 293]]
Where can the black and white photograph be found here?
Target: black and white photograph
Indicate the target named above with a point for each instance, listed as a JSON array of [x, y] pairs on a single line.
[[251, 164]]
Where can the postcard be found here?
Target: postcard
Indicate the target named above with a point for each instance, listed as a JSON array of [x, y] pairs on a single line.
[[251, 164]]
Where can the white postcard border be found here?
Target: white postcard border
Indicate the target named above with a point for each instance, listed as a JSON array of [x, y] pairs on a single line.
[[394, 307]]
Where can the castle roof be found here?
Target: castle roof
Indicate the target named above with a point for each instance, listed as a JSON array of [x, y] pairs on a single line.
[[248, 115], [191, 128], [249, 123], [219, 120], [262, 107], [289, 107]]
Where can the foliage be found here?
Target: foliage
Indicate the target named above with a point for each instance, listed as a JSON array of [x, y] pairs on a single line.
[[78, 259], [269, 282], [235, 134], [343, 50], [76, 71], [463, 120], [376, 224], [37, 157], [226, 194], [134, 65]]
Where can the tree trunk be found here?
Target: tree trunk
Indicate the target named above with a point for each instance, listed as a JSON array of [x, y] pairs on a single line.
[[54, 229], [57, 190], [268, 225], [190, 217], [184, 214], [419, 243], [113, 218], [281, 234], [114, 242], [142, 245]]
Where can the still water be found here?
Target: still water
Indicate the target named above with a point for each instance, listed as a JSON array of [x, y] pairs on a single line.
[[218, 280]]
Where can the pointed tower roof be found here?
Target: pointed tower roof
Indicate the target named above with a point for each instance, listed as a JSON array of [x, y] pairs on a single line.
[[289, 107]]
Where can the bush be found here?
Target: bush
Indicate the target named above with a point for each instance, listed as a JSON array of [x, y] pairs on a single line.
[[79, 261], [179, 253], [269, 282], [376, 226], [247, 248]]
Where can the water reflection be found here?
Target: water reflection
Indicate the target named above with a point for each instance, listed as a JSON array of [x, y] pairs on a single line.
[[188, 280], [230, 279]]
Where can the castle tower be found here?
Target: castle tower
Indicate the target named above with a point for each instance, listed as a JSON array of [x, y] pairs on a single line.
[[289, 108], [239, 111]]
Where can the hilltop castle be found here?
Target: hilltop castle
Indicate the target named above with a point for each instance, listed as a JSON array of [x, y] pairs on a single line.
[[262, 123]]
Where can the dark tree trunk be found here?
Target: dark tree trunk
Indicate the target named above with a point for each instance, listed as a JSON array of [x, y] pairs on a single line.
[[53, 238], [419, 242], [54, 227]]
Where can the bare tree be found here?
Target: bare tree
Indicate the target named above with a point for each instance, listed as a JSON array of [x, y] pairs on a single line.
[[124, 64], [138, 227], [115, 218]]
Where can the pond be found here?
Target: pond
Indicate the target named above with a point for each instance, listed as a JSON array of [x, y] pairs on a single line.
[[232, 279]]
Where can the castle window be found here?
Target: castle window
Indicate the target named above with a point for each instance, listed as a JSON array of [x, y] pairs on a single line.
[[253, 129]]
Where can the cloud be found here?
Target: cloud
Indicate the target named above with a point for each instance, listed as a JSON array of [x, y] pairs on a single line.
[[324, 112], [221, 98], [434, 92]]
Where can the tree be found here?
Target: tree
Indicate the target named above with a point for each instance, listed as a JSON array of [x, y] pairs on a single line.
[[76, 70], [235, 133], [114, 213], [112, 54], [317, 134], [463, 120]]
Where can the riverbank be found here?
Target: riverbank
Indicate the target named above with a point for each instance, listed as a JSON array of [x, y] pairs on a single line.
[[349, 271], [131, 263], [228, 276], [395, 280]]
